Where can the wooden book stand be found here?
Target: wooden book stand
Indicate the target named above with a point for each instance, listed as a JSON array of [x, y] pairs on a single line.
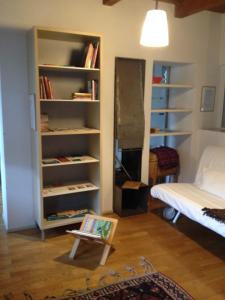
[[85, 234]]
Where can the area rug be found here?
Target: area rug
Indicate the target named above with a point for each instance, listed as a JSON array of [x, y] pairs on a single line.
[[154, 286], [149, 286]]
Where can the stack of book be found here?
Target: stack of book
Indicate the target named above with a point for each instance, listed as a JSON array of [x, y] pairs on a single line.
[[46, 91], [67, 214], [92, 87], [91, 54], [82, 96], [91, 94]]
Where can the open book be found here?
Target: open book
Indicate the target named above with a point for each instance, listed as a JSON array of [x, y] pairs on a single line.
[[94, 227]]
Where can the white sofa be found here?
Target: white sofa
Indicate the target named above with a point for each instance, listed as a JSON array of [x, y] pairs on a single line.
[[208, 190]]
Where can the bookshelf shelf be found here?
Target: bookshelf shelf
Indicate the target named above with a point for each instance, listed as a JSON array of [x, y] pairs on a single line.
[[73, 125], [71, 132], [69, 100], [67, 68], [83, 160], [172, 110], [81, 187], [63, 222], [170, 133]]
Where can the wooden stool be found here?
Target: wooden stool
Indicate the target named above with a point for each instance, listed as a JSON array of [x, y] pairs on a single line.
[[81, 234], [155, 172]]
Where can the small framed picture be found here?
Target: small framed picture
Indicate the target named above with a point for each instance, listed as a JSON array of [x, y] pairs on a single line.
[[208, 98]]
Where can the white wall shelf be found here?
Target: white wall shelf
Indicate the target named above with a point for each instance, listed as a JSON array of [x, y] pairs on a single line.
[[172, 86], [172, 110], [170, 133]]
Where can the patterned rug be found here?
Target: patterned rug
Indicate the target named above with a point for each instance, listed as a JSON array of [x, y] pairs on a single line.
[[154, 286], [149, 286]]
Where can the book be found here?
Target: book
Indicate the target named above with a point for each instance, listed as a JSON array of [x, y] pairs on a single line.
[[92, 88], [43, 90], [63, 159], [98, 227], [89, 56], [95, 55], [82, 96], [45, 86], [50, 89], [49, 161], [67, 214], [82, 233]]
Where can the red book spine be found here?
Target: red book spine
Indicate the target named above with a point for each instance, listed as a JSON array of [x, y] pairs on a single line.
[[43, 88], [50, 89], [95, 54], [47, 87]]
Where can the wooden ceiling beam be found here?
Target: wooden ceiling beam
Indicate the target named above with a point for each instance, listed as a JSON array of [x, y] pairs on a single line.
[[219, 9], [187, 7], [171, 1], [110, 2]]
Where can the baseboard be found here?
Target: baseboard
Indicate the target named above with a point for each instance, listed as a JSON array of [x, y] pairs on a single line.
[[21, 228], [107, 212]]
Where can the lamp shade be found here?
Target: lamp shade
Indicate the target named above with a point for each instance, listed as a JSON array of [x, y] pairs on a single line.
[[155, 29]]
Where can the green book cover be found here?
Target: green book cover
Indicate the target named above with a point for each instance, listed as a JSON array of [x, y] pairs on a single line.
[[102, 228]]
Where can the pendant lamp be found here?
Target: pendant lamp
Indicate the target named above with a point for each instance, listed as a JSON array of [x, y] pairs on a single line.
[[155, 29]]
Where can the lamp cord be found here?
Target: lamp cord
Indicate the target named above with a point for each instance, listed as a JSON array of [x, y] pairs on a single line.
[[156, 4]]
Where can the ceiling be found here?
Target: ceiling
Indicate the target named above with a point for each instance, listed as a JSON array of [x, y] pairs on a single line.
[[184, 8]]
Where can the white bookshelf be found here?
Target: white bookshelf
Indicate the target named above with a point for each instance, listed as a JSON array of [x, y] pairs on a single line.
[[172, 108], [74, 127]]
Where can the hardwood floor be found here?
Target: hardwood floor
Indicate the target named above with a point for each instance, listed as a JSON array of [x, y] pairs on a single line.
[[188, 253]]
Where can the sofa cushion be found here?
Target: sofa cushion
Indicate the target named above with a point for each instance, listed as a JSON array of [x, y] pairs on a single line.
[[213, 181]]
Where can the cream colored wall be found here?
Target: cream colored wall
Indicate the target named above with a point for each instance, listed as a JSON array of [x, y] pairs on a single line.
[[191, 40], [221, 72], [222, 44], [208, 138]]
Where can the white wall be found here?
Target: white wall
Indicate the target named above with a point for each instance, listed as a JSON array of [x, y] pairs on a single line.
[[193, 39], [222, 73], [2, 159], [209, 138]]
